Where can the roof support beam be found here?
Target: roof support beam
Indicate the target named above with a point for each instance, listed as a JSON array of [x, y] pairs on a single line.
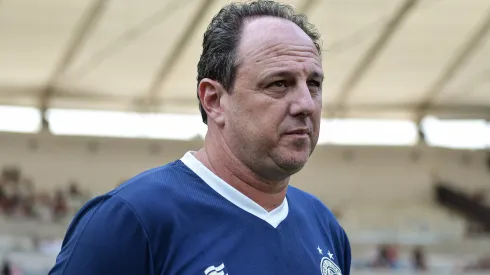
[[372, 53], [131, 34], [455, 64], [84, 28], [177, 51]]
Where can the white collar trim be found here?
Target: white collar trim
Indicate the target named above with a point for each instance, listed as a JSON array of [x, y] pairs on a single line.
[[274, 217]]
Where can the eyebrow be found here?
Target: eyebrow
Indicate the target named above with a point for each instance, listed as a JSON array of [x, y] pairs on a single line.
[[317, 74], [287, 73]]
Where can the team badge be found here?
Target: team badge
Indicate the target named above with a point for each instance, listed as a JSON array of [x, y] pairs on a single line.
[[328, 267]]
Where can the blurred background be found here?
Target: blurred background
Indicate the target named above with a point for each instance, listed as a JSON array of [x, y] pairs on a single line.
[[93, 92]]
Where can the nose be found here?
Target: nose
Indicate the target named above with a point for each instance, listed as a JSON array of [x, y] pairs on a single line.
[[303, 104]]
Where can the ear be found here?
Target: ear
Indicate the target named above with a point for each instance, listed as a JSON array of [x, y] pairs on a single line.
[[211, 96]]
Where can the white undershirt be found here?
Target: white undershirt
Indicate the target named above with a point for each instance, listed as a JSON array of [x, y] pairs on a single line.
[[274, 217]]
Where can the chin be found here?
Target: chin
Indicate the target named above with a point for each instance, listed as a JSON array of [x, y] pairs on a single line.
[[293, 168], [293, 162]]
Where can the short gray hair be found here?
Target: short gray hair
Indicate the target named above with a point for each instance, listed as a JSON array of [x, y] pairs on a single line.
[[221, 39]]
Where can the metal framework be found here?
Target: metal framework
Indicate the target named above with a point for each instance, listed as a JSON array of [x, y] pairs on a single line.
[[459, 60], [176, 52], [150, 98], [84, 28], [371, 54]]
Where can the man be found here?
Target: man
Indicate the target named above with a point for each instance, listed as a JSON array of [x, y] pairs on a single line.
[[227, 208]]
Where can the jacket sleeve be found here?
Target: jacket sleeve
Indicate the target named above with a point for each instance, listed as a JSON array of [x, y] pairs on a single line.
[[105, 237]]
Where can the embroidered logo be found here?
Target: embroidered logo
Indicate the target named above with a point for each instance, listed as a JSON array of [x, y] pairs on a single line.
[[327, 265], [215, 270]]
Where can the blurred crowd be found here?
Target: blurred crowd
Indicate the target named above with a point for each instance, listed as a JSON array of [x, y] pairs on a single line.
[[387, 258], [481, 197], [19, 198], [10, 269], [475, 228], [482, 264]]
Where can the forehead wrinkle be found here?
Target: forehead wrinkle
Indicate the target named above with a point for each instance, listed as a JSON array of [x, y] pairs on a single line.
[[294, 69], [280, 49], [289, 60], [267, 55]]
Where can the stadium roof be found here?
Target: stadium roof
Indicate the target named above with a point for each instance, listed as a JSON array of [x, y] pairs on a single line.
[[383, 58]]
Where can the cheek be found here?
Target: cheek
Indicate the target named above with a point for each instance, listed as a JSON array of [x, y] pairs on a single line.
[[263, 125], [271, 115], [261, 108], [318, 110], [316, 119], [258, 114]]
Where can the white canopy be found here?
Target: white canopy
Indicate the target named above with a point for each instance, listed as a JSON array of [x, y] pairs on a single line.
[[382, 59]]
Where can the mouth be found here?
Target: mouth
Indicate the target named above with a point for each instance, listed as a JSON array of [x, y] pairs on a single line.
[[299, 133]]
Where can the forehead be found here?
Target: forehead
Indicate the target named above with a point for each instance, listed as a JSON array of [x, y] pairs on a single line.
[[274, 40]]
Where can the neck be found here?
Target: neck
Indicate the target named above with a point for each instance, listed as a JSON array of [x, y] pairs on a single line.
[[221, 161]]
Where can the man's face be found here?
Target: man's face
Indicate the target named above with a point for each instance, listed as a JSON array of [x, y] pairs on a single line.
[[272, 118]]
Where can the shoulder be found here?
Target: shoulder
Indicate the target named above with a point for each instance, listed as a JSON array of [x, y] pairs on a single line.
[[159, 177], [95, 236], [314, 202], [144, 207], [158, 188], [150, 198], [313, 207]]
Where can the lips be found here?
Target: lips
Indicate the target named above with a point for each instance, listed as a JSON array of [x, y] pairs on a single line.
[[298, 132]]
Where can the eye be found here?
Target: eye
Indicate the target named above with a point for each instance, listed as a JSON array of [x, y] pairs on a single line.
[[314, 83], [278, 84], [314, 86]]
